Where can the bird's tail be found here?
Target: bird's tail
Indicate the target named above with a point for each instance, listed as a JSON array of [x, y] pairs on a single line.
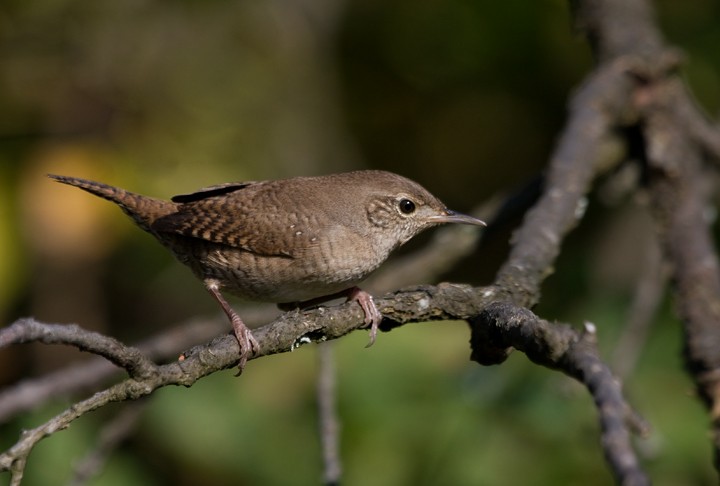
[[142, 209]]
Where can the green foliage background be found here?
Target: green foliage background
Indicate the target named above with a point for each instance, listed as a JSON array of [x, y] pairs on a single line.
[[467, 97]]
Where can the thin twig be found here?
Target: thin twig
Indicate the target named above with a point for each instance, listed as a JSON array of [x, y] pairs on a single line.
[[30, 330], [95, 371], [648, 296], [327, 415], [111, 436]]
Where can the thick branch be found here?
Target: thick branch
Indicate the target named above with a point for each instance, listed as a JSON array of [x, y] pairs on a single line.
[[676, 135], [681, 212], [598, 110], [445, 301], [586, 145], [616, 28]]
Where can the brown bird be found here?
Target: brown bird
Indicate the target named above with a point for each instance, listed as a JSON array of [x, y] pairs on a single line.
[[293, 242]]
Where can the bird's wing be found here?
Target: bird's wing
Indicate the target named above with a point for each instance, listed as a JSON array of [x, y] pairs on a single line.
[[212, 191], [241, 216]]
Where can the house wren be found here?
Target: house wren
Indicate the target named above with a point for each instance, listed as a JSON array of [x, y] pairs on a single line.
[[292, 241]]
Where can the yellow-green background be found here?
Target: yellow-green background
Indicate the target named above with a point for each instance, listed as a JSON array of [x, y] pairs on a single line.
[[467, 97]]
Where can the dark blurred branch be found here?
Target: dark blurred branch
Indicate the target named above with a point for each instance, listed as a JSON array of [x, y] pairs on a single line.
[[581, 153], [629, 52], [681, 209], [676, 136], [329, 423], [699, 128], [617, 28], [587, 141]]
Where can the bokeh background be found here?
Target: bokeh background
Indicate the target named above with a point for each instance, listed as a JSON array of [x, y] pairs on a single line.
[[466, 97]]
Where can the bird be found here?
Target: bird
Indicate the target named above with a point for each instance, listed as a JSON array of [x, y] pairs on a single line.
[[295, 242]]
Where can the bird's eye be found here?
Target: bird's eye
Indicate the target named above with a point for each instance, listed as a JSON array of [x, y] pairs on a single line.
[[407, 206]]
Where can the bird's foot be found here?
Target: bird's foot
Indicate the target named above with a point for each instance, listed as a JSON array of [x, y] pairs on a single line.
[[247, 342], [373, 317]]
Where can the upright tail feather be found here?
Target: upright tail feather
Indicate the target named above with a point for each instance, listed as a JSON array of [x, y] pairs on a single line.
[[142, 209]]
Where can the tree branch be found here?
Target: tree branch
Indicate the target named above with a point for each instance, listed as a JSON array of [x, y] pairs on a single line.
[[680, 208], [30, 330], [676, 136], [560, 347], [289, 331], [587, 142], [91, 373], [112, 434]]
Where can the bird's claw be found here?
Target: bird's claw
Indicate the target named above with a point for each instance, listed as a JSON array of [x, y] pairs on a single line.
[[373, 317]]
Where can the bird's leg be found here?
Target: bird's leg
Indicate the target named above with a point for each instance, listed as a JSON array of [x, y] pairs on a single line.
[[373, 317], [247, 342]]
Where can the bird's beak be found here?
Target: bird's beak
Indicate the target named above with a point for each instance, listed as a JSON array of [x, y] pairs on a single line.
[[453, 217]]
